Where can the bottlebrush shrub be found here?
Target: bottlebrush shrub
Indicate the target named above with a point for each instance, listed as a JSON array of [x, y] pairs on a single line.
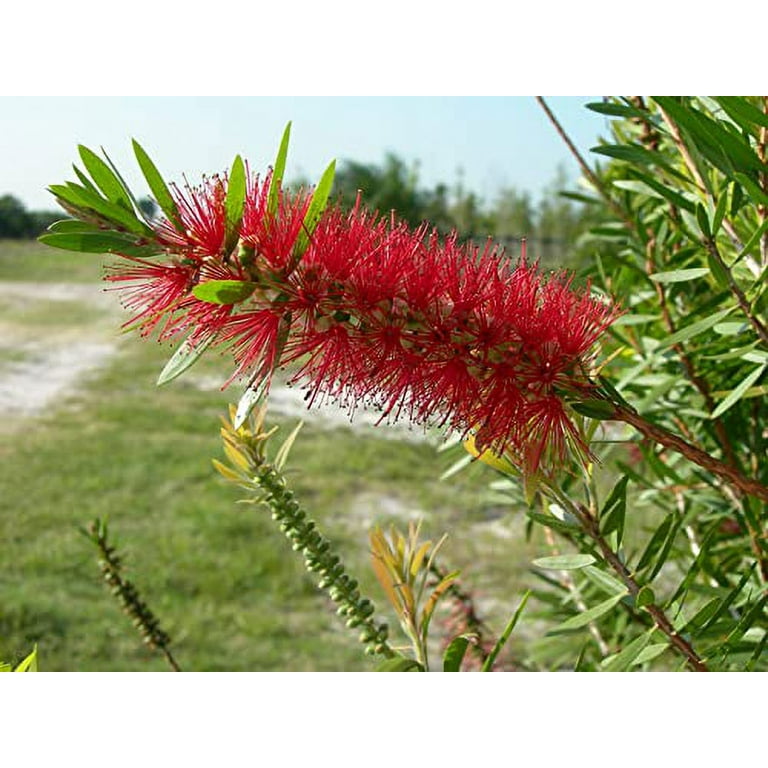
[[452, 334]]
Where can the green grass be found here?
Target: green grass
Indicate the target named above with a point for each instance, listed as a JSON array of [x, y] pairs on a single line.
[[220, 576], [34, 262]]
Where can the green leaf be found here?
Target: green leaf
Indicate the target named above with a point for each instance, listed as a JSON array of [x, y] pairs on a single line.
[[315, 210], [737, 393], [753, 188], [679, 275], [278, 171], [741, 111], [502, 641], [651, 652], [584, 618], [731, 328], [87, 200], [550, 521], [105, 179], [655, 543], [645, 185], [99, 241], [134, 202], [234, 203], [718, 270], [666, 545], [631, 153], [754, 239], [603, 580], [645, 597], [224, 291], [723, 149], [634, 320], [253, 395], [702, 217], [564, 562], [624, 659], [594, 409], [157, 186], [614, 510], [65, 226], [720, 209], [694, 329], [399, 664], [183, 358], [282, 454], [750, 616], [616, 110], [454, 653], [84, 180]]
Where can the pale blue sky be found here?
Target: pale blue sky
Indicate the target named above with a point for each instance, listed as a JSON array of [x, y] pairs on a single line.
[[504, 141]]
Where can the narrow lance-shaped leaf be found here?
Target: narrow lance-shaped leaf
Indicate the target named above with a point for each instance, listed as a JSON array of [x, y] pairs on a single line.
[[315, 210], [454, 653], [278, 171], [83, 199], [183, 358], [564, 562], [105, 178], [723, 149], [679, 275], [84, 180], [66, 226], [502, 641], [98, 241], [738, 392], [157, 185], [399, 664], [584, 618], [254, 393], [614, 510], [134, 203], [234, 203], [694, 329], [625, 658], [224, 291]]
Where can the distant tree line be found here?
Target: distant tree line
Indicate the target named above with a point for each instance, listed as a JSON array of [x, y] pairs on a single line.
[[17, 222]]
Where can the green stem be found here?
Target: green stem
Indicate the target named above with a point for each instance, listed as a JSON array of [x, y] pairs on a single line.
[[320, 558]]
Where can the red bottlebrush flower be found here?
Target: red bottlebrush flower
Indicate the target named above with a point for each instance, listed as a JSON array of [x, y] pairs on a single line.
[[202, 218], [272, 235], [546, 435], [423, 327], [255, 341], [151, 290], [202, 318], [443, 333]]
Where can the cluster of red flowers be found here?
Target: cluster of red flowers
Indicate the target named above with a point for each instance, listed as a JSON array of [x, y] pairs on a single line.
[[373, 311]]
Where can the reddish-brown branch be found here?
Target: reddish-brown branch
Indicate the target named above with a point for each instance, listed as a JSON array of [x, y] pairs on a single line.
[[660, 435]]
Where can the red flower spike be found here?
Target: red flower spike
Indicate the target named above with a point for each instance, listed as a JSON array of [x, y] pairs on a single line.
[[204, 318], [150, 290], [254, 337], [426, 328], [203, 217], [272, 235]]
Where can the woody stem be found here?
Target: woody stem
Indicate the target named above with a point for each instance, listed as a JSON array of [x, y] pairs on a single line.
[[669, 440]]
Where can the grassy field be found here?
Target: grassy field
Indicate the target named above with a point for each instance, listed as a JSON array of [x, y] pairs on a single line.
[[225, 584]]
